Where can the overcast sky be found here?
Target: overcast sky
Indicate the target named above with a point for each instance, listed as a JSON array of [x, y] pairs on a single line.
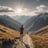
[[25, 3], [31, 6]]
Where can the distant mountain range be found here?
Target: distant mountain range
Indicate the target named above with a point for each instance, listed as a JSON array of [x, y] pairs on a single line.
[[36, 22], [31, 23], [21, 19], [9, 22]]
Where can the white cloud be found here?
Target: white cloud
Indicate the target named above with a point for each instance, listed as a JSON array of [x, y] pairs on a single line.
[[4, 10], [40, 9], [36, 11]]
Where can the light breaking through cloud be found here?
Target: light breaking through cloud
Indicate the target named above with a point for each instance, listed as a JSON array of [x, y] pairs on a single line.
[[5, 10]]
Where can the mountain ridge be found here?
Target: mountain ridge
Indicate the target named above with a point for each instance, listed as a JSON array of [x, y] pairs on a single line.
[[37, 22], [9, 22]]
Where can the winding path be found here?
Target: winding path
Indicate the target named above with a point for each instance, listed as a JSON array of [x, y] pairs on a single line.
[[25, 43]]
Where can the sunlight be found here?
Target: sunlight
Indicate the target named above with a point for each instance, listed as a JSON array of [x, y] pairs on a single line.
[[18, 10]]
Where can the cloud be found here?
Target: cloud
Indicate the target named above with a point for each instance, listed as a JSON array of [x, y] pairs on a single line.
[[36, 11], [40, 9], [5, 9]]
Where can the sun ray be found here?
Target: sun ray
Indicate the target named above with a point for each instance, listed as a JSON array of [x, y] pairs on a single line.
[[18, 10]]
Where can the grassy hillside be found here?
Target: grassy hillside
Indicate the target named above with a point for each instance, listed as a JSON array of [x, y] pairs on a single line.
[[40, 41], [7, 33]]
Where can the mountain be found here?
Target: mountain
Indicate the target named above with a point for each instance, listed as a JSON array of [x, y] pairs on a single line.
[[9, 22], [31, 23], [21, 19], [37, 22], [42, 31], [7, 33]]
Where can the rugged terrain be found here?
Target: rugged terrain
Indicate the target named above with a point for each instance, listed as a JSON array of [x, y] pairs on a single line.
[[28, 41]]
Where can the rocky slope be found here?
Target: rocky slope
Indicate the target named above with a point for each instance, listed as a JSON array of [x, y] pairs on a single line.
[[36, 22], [9, 22]]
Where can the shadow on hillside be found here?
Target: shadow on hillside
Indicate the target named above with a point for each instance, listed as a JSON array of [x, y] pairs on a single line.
[[7, 43]]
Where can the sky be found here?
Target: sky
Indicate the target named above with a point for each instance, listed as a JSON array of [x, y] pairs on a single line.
[[23, 7]]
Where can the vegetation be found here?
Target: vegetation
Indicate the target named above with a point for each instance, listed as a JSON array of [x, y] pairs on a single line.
[[40, 41], [7, 33]]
